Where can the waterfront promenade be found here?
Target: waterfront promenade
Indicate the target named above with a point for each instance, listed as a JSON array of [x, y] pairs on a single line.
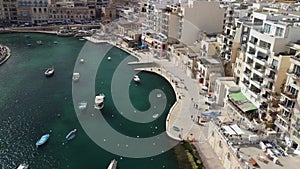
[[189, 105]]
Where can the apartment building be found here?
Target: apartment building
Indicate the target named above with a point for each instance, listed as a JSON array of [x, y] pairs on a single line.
[[154, 10], [10, 11], [70, 11], [2, 16], [287, 122], [269, 35], [196, 18], [158, 43], [229, 42], [170, 21]]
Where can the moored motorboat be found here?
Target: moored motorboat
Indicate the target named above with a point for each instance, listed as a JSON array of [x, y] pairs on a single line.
[[136, 78], [113, 164], [82, 105], [71, 134], [99, 101], [49, 72], [109, 58], [158, 95], [23, 166], [42, 140], [81, 61], [39, 42], [76, 76], [155, 115]]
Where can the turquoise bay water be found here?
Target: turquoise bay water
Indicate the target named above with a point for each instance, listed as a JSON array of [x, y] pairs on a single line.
[[32, 105]]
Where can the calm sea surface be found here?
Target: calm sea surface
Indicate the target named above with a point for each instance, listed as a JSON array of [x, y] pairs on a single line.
[[32, 105]]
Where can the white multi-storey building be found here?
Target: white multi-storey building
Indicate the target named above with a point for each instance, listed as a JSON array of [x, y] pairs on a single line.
[[263, 65]]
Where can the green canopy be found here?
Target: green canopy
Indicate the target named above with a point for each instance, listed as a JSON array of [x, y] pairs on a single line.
[[242, 102]]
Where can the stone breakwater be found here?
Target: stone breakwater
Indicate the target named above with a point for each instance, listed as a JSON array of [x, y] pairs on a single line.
[[4, 54]]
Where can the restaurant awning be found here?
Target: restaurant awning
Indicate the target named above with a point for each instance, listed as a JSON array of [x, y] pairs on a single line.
[[237, 129], [228, 130], [242, 102]]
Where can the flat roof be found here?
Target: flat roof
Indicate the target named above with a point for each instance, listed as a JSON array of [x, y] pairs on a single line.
[[242, 102]]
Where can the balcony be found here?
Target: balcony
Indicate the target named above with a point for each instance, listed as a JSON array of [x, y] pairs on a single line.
[[253, 42], [296, 59], [286, 106], [281, 126], [270, 77], [294, 75], [289, 95], [251, 51], [296, 126], [272, 67]]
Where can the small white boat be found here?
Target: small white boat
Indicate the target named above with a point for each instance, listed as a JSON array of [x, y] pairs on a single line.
[[39, 42], [136, 78], [71, 134], [113, 164], [158, 95], [42, 140], [23, 166], [55, 42], [82, 39], [81, 61], [155, 115], [76, 77], [49, 72], [109, 58], [99, 101], [82, 105]]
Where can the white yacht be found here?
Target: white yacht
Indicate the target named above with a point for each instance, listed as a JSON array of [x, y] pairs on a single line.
[[76, 76], [113, 164], [136, 78], [23, 166], [49, 72], [99, 101]]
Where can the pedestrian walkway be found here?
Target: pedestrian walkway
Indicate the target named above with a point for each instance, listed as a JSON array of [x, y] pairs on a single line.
[[184, 114]]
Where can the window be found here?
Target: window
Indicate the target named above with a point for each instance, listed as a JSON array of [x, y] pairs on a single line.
[[279, 31], [267, 28]]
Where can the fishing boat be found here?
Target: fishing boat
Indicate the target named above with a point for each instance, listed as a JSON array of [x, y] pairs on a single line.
[[23, 166], [49, 72], [42, 140], [136, 78], [76, 77], [71, 135], [113, 164], [99, 101]]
